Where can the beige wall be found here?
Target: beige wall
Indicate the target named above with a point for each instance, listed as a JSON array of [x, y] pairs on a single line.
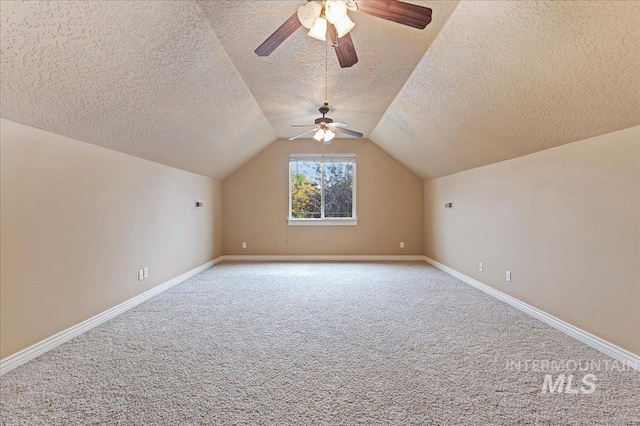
[[565, 222], [78, 221], [389, 205]]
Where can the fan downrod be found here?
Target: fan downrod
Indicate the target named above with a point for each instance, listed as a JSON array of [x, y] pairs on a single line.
[[324, 109]]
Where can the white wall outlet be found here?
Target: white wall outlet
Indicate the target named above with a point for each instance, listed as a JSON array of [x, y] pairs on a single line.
[[402, 244], [146, 272], [140, 275], [480, 266], [508, 276], [244, 245]]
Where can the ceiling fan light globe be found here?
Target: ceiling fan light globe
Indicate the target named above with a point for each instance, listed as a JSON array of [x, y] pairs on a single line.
[[335, 10], [319, 135], [319, 30], [308, 14], [344, 26], [328, 135]]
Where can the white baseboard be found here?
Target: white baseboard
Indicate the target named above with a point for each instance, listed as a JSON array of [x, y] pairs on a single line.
[[330, 257], [595, 342], [9, 363]]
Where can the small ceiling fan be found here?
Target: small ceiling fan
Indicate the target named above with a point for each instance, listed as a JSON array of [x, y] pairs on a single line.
[[331, 16], [325, 128]]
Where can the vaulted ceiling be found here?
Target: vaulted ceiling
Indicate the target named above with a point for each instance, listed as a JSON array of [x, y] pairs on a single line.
[[289, 85], [178, 82], [509, 78]]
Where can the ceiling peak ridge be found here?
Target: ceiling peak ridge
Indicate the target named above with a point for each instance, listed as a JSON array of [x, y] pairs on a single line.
[[435, 40], [207, 24]]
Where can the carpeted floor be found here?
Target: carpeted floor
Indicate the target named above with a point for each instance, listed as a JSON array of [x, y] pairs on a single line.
[[318, 343]]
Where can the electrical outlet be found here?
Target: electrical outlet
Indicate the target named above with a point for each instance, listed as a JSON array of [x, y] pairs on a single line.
[[146, 272], [199, 204], [140, 275], [244, 245], [508, 276], [402, 244], [480, 266]]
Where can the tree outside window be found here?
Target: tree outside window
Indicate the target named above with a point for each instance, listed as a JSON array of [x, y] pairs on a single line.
[[322, 188]]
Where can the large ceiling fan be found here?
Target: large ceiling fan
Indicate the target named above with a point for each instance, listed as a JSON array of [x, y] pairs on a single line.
[[325, 128], [332, 16]]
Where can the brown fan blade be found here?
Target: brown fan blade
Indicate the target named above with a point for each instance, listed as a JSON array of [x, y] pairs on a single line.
[[348, 132], [280, 35], [344, 48], [393, 10]]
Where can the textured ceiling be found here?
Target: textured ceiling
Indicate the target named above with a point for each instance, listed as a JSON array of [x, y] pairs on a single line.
[[505, 79], [146, 78], [177, 82], [289, 85]]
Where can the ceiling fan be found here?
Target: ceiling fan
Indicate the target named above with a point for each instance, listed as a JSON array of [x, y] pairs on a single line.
[[325, 128], [331, 16]]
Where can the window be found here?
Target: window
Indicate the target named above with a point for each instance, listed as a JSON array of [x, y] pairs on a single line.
[[322, 189]]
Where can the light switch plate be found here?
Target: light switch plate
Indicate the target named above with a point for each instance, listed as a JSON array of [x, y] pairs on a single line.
[[146, 272]]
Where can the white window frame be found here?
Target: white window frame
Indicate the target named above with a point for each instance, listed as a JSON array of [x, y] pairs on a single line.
[[324, 221]]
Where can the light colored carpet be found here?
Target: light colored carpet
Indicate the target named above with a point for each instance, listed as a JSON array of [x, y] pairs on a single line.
[[314, 343]]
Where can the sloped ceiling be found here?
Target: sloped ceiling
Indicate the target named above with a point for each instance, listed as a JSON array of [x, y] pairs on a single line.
[[289, 85], [148, 78], [177, 82], [505, 79]]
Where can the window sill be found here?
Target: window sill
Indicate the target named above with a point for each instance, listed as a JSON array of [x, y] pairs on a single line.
[[323, 222]]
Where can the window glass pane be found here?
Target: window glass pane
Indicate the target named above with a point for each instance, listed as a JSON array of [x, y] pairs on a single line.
[[306, 177], [338, 189]]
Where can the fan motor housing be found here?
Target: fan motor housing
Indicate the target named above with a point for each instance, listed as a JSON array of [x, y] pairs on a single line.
[[325, 120]]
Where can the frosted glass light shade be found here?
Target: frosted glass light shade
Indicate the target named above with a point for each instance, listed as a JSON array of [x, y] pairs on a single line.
[[308, 13], [335, 10], [344, 26], [319, 135], [319, 30], [328, 135]]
